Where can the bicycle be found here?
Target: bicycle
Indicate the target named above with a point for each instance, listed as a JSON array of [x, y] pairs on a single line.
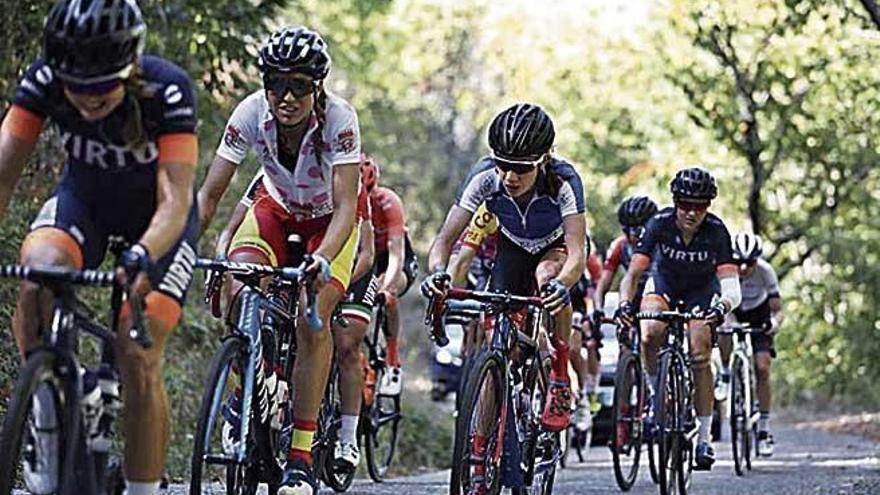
[[83, 437], [743, 409], [674, 412], [504, 393], [630, 411], [380, 414], [258, 352]]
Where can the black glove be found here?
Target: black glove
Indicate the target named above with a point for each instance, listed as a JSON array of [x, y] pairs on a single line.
[[597, 317], [715, 314], [436, 283], [625, 314], [555, 296], [135, 260]]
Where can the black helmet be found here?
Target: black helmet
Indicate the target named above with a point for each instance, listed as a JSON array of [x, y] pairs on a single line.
[[693, 183], [295, 49], [635, 211], [747, 247], [521, 132], [90, 41]]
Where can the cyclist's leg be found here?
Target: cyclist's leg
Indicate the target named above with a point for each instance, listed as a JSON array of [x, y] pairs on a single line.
[[655, 299], [145, 402], [578, 358], [594, 343], [700, 340]]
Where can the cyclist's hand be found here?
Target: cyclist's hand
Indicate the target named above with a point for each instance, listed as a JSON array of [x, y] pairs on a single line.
[[598, 317], [555, 296], [318, 266], [436, 283], [625, 315], [715, 315], [773, 329], [135, 266]]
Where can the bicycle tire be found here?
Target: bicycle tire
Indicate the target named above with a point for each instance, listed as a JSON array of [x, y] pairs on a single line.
[[329, 420], [239, 478], [667, 438], [738, 436], [487, 365], [542, 447], [382, 425], [39, 368], [686, 422], [626, 416]]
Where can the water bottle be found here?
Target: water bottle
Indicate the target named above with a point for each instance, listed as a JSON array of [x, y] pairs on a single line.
[[108, 383], [91, 404], [279, 399]]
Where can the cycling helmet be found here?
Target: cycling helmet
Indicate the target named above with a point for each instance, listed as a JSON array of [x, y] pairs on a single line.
[[295, 49], [93, 41], [369, 172], [635, 211], [521, 132], [747, 247], [693, 183]]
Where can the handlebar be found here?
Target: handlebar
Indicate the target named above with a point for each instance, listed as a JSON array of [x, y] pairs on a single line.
[[732, 328], [668, 316], [242, 270]]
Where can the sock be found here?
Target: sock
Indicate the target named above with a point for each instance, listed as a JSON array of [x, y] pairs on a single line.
[[589, 384], [301, 446], [559, 362], [764, 421], [704, 423], [141, 487], [348, 429], [393, 357]]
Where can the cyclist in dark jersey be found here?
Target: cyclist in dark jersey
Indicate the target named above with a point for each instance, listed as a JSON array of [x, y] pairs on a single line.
[[127, 121], [690, 248]]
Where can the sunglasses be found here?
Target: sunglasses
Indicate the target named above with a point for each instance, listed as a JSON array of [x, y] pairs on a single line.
[[691, 206], [518, 167], [93, 89], [636, 232], [281, 85]]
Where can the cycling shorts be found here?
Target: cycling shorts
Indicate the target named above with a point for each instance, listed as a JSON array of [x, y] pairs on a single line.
[[757, 317], [514, 269], [90, 224], [410, 264], [358, 303], [267, 226], [693, 298]]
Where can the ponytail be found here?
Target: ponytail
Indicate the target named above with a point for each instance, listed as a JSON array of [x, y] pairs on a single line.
[[321, 113], [554, 182]]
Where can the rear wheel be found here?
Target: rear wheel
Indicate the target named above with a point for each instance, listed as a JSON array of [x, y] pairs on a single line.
[[542, 449], [739, 437], [627, 413], [39, 436]]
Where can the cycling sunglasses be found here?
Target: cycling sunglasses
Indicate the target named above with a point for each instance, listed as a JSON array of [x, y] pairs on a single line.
[[636, 232], [281, 85], [93, 89], [518, 167], [694, 206]]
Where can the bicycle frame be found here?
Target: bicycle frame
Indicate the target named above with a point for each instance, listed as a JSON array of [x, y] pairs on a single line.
[[741, 336]]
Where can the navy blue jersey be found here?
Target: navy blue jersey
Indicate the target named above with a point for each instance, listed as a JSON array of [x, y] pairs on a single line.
[[101, 168], [692, 265], [539, 223]]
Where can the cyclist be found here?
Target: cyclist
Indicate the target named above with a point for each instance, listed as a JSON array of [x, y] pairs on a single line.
[[128, 124], [690, 248], [539, 203], [587, 335], [307, 141], [395, 267], [632, 214], [761, 306]]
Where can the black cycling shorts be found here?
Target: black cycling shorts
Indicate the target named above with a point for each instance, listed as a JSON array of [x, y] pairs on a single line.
[[514, 269], [756, 317], [693, 298], [358, 302], [410, 264]]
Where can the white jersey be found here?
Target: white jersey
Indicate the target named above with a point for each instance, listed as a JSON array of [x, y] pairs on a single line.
[[759, 286], [307, 191]]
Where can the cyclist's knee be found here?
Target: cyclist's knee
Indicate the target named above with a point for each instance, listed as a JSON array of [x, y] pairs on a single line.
[[50, 247], [652, 334], [547, 270], [762, 366]]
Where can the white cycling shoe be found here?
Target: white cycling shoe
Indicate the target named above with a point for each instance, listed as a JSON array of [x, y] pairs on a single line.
[[392, 382], [347, 454], [582, 420], [765, 444], [40, 466]]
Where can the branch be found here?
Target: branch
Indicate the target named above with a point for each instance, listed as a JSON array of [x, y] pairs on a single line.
[[873, 11]]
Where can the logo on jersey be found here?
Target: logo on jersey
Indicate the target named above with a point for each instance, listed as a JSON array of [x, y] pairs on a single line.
[[233, 137], [179, 274], [682, 255], [107, 156], [173, 94], [345, 141]]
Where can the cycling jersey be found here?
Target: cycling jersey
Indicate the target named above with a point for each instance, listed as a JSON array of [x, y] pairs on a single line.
[[108, 187], [758, 287], [619, 254], [387, 216], [306, 190], [363, 201], [539, 225], [685, 267]]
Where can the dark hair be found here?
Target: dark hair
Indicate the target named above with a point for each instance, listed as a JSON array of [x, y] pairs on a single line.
[[320, 96]]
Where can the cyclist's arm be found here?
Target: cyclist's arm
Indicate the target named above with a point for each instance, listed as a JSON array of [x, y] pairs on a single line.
[[575, 227], [776, 309], [345, 192], [212, 190], [178, 158], [456, 221], [395, 264], [225, 237], [18, 136], [637, 267], [366, 251], [460, 264], [602, 287]]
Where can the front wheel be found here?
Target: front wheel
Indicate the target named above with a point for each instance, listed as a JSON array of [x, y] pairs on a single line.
[[381, 423], [542, 449], [39, 428], [627, 412], [739, 434]]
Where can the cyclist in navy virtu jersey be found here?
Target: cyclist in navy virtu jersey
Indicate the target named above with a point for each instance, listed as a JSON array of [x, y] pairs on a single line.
[[539, 202], [690, 251], [127, 122]]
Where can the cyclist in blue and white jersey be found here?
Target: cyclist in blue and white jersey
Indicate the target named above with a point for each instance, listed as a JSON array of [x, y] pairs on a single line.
[[690, 248]]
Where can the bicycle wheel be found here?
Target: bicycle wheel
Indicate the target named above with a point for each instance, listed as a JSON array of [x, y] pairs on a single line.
[[542, 449], [668, 437], [481, 420], [738, 435], [213, 471], [627, 412], [380, 431], [686, 428], [59, 424], [336, 476]]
